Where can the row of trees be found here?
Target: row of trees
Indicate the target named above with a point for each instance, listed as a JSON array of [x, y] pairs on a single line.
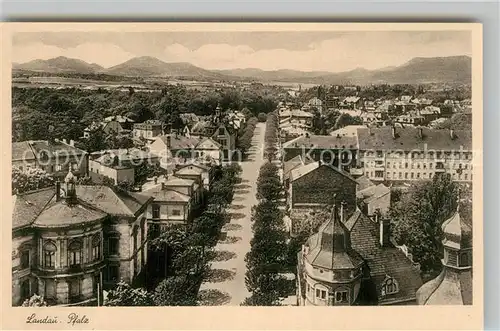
[[271, 136], [42, 113], [190, 247], [386, 91], [244, 141], [267, 257], [329, 120]]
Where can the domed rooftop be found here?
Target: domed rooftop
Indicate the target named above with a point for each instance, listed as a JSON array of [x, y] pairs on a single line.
[[330, 247], [453, 286], [457, 233]]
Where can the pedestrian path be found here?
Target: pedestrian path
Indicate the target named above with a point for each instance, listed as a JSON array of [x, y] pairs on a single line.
[[226, 283]]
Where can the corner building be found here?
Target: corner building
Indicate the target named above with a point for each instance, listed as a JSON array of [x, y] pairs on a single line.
[[71, 242]]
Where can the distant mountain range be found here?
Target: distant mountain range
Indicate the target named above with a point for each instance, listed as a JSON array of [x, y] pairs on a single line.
[[452, 69]]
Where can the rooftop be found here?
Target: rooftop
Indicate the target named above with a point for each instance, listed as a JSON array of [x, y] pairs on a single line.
[[322, 142], [408, 138]]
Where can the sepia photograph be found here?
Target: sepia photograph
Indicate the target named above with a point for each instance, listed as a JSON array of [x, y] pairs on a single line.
[[311, 167]]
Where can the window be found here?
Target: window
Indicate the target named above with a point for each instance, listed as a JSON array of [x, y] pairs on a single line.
[[464, 260], [411, 175], [96, 247], [390, 286], [388, 175], [451, 257], [406, 165], [321, 294], [222, 131], [341, 296], [25, 258], [418, 165], [394, 175], [74, 287], [406, 175], [425, 165], [400, 175], [58, 167], [75, 253], [176, 212], [465, 176], [49, 255], [156, 211], [113, 245], [418, 174], [430, 165], [388, 164], [50, 288], [25, 289]]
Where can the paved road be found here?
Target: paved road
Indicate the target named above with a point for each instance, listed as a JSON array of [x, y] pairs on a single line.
[[226, 284]]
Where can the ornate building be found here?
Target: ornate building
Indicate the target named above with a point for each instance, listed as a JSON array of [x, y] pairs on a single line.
[[71, 242], [453, 286], [351, 261]]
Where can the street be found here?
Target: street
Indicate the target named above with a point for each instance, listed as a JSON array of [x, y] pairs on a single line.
[[226, 283]]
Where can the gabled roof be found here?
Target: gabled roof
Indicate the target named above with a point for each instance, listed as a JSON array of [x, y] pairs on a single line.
[[166, 195], [304, 170], [22, 151], [54, 148], [178, 142], [189, 170], [363, 183], [208, 143], [383, 261], [110, 201], [294, 163], [176, 181]]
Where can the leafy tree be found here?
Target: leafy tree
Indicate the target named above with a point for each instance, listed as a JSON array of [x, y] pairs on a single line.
[[346, 119], [34, 301], [29, 180], [459, 121], [269, 188], [262, 117], [418, 216], [126, 295]]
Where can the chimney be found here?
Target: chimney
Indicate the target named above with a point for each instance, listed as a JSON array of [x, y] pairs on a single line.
[[72, 143], [58, 190], [421, 133], [342, 211], [393, 132], [452, 134], [169, 141], [384, 225]]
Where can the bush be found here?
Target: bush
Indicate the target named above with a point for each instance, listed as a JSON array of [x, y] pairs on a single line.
[[262, 117]]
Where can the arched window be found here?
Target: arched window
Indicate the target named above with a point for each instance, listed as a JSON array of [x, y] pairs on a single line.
[[49, 254], [96, 247], [75, 253], [390, 286]]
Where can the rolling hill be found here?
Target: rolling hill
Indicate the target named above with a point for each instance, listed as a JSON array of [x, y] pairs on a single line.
[[58, 65], [453, 69], [145, 66]]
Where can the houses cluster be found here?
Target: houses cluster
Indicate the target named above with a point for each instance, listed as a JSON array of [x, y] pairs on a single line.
[[72, 242], [295, 122], [351, 258], [390, 154]]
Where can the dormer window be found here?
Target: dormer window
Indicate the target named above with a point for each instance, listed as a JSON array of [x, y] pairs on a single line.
[[390, 286]]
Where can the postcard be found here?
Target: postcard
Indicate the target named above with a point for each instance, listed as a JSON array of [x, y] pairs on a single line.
[[242, 176]]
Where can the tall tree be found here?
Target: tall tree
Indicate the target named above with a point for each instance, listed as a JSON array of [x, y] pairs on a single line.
[[418, 216]]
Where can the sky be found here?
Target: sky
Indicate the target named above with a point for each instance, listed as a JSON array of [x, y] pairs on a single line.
[[305, 51]]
